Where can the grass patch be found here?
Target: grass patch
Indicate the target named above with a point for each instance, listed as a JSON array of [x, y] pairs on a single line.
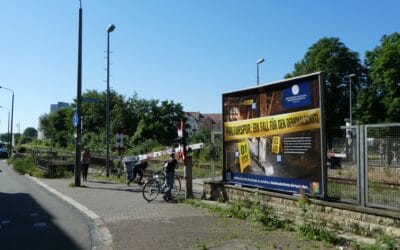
[[384, 243], [112, 178], [254, 212], [25, 166]]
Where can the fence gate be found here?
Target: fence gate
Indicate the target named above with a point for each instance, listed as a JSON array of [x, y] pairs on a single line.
[[382, 164]]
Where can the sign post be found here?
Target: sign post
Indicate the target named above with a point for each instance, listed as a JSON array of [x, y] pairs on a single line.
[[119, 144]]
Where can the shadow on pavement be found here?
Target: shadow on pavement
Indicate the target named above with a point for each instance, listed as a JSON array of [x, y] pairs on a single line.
[[24, 224], [124, 189]]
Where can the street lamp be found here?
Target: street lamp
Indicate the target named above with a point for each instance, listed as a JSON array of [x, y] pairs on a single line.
[[261, 60], [110, 29], [12, 116], [8, 127], [350, 102]]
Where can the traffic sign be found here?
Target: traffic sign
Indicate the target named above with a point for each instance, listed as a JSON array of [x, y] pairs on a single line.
[[119, 140], [75, 120], [90, 100]]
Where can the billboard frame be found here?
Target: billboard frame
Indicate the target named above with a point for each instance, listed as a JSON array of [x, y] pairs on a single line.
[[278, 86]]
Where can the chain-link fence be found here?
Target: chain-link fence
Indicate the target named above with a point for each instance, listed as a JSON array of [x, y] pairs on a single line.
[[363, 165], [383, 165], [342, 164]]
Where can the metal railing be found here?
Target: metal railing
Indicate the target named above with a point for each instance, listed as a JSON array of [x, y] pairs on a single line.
[[364, 165]]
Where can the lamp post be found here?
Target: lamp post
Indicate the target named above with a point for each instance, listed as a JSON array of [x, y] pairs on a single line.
[[261, 60], [8, 125], [12, 117], [110, 29], [350, 101]]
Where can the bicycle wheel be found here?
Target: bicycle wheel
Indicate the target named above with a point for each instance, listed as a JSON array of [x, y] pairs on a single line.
[[176, 188], [150, 190]]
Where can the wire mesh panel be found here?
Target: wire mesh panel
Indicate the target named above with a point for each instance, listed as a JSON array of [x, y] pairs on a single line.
[[383, 165], [342, 164]]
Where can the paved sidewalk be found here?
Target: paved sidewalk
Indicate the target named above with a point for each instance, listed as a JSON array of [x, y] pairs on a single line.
[[137, 224]]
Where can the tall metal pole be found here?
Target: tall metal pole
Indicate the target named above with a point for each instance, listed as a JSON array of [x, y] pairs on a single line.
[[12, 118], [77, 169], [350, 100], [8, 127], [259, 61], [108, 108], [110, 29]]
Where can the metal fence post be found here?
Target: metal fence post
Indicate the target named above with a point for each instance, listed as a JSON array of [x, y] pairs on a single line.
[[362, 156], [188, 177]]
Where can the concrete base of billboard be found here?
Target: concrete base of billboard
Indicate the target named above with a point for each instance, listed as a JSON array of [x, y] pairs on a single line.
[[343, 218]]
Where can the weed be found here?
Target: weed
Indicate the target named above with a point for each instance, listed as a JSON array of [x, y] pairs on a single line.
[[384, 243], [203, 246], [313, 231], [310, 228], [25, 166]]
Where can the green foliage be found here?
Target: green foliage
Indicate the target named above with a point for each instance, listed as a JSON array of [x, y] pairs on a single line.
[[145, 147], [30, 132], [313, 231], [58, 127], [143, 121], [208, 151], [4, 137], [311, 228], [25, 166], [383, 243], [254, 212], [380, 99], [336, 61]]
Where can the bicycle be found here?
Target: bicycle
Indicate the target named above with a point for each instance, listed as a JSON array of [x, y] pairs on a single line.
[[157, 184]]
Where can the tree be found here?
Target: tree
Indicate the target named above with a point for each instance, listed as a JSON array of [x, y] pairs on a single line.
[[379, 101], [57, 127], [30, 132], [143, 121], [336, 62], [159, 122]]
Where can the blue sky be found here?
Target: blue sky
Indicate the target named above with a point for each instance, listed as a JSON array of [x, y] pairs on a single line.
[[182, 50]]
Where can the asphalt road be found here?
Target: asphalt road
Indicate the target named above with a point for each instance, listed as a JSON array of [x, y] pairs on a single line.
[[32, 218]]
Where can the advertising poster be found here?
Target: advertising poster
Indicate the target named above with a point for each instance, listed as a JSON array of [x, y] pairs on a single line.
[[272, 136]]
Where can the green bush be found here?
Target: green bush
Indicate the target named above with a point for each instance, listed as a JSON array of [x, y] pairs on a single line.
[[25, 166]]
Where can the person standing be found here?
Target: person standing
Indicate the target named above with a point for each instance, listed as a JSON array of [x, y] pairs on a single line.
[[381, 149], [169, 175], [85, 160]]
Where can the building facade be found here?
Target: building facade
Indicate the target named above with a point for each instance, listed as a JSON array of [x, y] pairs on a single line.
[[196, 121], [58, 106]]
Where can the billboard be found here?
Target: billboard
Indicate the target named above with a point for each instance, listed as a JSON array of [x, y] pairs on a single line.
[[273, 136]]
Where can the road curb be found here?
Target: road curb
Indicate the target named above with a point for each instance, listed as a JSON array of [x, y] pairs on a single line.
[[100, 235]]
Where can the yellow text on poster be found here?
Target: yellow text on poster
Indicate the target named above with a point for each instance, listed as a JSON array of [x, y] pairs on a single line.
[[244, 155], [273, 125], [276, 145], [248, 102]]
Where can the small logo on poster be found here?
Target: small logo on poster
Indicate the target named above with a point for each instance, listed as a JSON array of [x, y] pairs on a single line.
[[297, 96], [295, 89]]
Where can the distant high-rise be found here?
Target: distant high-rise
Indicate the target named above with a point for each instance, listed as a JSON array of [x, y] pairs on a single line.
[[58, 106]]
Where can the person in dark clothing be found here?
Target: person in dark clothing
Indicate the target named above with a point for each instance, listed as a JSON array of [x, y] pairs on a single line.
[[85, 160], [138, 169], [169, 175]]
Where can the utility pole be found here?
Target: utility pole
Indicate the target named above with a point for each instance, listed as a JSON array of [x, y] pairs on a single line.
[[77, 170]]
